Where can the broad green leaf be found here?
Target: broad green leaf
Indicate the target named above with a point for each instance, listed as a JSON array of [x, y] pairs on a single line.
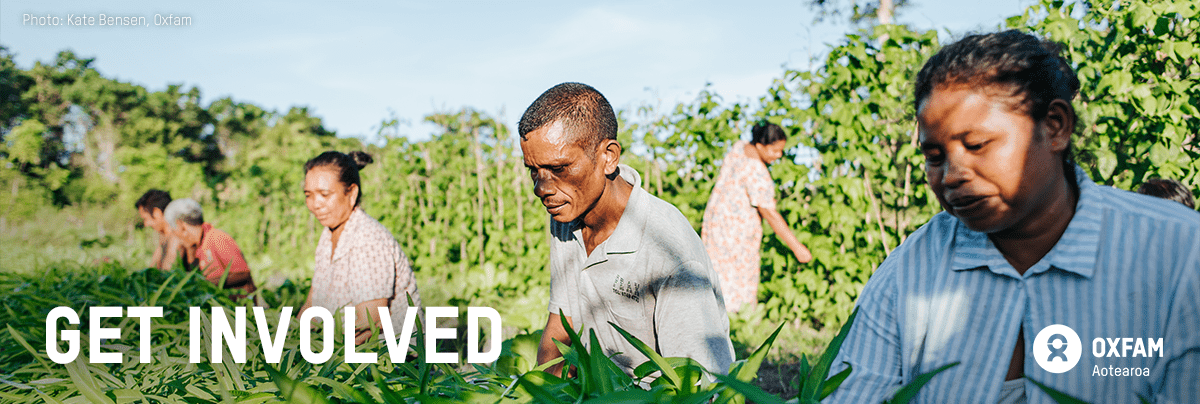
[[752, 392], [1106, 163], [815, 384], [835, 381], [294, 391], [667, 371], [533, 382], [749, 370], [625, 397], [87, 384], [909, 391]]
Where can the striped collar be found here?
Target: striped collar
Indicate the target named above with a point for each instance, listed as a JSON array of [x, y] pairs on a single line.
[[1075, 251]]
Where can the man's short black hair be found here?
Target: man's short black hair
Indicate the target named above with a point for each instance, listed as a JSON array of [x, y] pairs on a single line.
[[584, 113], [1168, 189], [153, 199]]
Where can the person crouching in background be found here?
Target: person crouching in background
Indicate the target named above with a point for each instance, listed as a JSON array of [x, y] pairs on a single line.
[[1168, 189], [210, 250], [742, 198], [150, 207]]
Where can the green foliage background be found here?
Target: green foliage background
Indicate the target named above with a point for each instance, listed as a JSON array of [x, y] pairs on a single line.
[[78, 148]]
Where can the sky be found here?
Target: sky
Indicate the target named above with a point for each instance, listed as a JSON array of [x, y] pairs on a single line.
[[354, 64]]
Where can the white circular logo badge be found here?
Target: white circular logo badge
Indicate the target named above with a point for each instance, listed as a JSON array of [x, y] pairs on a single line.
[[1057, 348]]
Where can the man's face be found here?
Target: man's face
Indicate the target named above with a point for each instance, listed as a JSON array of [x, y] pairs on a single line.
[[153, 218], [984, 160], [565, 179]]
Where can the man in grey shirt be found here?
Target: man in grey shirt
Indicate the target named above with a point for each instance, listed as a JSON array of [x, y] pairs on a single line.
[[617, 253]]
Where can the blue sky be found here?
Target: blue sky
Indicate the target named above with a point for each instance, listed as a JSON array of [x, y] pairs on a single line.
[[353, 62]]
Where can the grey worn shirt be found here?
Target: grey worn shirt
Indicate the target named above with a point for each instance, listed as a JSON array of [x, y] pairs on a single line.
[[651, 277]]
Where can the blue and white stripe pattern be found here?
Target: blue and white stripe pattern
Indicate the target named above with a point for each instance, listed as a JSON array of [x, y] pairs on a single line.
[[1128, 266]]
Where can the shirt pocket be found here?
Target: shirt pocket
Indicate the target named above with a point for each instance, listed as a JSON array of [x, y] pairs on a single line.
[[628, 313], [631, 317]]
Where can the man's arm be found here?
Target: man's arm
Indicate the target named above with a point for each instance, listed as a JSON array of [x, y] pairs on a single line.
[[784, 233], [171, 254], [547, 350], [156, 260], [560, 298]]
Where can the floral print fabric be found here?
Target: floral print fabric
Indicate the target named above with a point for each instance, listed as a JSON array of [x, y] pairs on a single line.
[[732, 229]]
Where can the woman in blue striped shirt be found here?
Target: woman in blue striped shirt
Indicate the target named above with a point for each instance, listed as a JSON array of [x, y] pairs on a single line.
[[1033, 271]]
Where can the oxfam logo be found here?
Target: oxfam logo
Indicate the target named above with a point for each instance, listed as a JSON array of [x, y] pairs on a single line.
[[1057, 348]]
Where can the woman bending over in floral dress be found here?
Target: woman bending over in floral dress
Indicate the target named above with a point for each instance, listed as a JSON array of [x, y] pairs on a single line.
[[743, 196]]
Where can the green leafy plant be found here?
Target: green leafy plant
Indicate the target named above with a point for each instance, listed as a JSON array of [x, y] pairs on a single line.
[[815, 383]]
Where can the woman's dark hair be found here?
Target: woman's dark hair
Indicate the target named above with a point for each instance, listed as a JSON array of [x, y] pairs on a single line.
[[1168, 189], [1030, 66], [766, 133], [346, 165]]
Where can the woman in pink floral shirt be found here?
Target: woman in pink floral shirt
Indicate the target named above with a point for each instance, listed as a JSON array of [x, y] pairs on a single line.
[[743, 196], [358, 261]]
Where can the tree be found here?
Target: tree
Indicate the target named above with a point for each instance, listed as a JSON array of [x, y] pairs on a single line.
[[29, 180], [13, 83], [880, 12]]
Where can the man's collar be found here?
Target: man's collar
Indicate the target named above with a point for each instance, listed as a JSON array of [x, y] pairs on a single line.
[[1074, 252], [627, 237], [205, 229]]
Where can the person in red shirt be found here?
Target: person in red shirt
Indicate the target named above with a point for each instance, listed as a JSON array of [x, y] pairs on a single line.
[[210, 250]]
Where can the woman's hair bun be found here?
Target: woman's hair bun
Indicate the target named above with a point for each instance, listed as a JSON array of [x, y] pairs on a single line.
[[361, 159]]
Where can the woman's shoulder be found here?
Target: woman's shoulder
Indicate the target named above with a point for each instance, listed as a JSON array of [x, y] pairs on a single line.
[[738, 150], [736, 158], [924, 249], [371, 230]]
